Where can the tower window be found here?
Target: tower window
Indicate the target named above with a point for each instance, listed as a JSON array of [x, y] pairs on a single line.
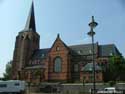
[[21, 36], [57, 64]]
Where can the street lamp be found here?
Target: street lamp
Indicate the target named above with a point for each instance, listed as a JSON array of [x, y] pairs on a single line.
[[92, 25]]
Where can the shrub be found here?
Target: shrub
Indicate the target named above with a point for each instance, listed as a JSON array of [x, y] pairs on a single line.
[[112, 83]]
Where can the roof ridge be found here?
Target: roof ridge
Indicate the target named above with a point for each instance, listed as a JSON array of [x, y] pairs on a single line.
[[44, 49], [81, 44], [107, 44]]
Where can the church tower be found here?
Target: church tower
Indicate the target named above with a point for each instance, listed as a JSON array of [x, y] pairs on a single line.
[[27, 41]]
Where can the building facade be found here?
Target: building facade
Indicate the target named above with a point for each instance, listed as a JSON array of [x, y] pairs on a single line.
[[58, 63]]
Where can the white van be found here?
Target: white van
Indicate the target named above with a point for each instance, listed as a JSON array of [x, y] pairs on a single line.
[[12, 86], [109, 90]]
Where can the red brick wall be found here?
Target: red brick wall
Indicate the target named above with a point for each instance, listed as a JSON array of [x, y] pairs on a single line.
[[63, 53], [86, 77]]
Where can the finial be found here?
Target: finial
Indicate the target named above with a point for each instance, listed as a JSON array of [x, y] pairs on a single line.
[[32, 3], [58, 35]]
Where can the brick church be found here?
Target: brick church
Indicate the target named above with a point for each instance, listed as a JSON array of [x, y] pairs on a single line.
[[61, 62]]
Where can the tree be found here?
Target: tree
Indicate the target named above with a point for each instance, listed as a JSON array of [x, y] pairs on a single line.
[[116, 68], [116, 59], [8, 71]]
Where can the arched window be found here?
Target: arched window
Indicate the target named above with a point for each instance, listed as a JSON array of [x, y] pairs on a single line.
[[57, 64]]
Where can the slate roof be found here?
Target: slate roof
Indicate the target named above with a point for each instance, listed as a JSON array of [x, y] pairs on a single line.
[[89, 67], [37, 59], [108, 50], [84, 49], [40, 54]]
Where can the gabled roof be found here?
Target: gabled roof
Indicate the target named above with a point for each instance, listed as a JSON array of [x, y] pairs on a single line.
[[30, 24], [59, 39], [89, 67], [108, 50]]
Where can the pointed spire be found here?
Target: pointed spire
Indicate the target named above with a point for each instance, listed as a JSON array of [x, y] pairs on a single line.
[[30, 24]]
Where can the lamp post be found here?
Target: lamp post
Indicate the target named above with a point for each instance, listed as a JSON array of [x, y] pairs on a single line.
[[92, 25]]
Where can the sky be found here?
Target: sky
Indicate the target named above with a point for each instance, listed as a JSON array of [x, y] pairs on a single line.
[[69, 18]]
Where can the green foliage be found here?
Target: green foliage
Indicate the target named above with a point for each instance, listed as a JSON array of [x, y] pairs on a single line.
[[116, 59], [112, 83], [8, 71], [116, 67], [123, 60], [1, 78]]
